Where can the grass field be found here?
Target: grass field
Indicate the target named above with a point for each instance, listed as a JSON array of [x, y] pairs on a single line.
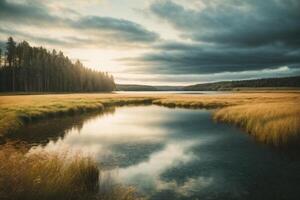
[[60, 176], [271, 117], [15, 111]]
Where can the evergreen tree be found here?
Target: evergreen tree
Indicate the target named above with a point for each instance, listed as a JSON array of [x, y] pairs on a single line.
[[10, 56], [0, 57], [38, 70]]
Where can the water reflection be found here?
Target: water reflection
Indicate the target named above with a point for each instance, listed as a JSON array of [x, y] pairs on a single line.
[[175, 154], [115, 140], [46, 131]]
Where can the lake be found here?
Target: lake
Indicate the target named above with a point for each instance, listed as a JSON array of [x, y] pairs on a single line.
[[173, 92], [172, 154]]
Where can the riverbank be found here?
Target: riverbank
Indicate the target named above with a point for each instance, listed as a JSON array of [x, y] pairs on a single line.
[[49, 175], [16, 111], [271, 117]]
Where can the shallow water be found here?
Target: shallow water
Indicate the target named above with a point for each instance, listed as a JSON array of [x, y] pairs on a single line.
[[174, 153], [173, 92]]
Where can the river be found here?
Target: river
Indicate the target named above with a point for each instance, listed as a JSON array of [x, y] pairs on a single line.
[[172, 154]]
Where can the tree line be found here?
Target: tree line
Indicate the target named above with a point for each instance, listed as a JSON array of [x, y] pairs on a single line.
[[293, 81], [35, 69]]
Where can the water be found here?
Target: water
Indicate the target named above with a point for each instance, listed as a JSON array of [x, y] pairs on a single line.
[[172, 154], [173, 92]]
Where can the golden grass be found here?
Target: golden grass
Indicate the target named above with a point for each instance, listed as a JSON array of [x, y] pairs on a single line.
[[270, 116], [15, 111], [275, 123], [56, 176]]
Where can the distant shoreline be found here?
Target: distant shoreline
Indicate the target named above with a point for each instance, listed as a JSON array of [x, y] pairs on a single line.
[[230, 107]]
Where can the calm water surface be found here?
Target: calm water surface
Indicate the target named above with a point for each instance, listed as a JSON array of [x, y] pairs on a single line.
[[173, 92], [171, 154]]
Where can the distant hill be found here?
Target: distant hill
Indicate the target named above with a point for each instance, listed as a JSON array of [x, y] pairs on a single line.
[[131, 87], [257, 83], [168, 88], [286, 82]]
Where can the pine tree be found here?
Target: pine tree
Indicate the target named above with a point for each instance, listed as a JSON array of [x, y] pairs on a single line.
[[0, 57], [36, 69], [10, 54]]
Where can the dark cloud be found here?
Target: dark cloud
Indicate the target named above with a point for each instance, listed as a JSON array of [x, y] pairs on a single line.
[[30, 12], [227, 36], [100, 29], [117, 28], [233, 36], [236, 22], [196, 78], [180, 58], [35, 38]]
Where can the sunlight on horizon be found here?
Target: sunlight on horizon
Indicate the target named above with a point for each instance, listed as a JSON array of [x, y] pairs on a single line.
[[162, 42]]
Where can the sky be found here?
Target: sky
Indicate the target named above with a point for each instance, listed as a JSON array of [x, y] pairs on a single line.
[[164, 42]]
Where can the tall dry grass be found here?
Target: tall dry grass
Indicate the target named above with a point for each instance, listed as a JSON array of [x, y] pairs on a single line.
[[49, 176], [271, 117], [262, 113], [273, 123], [15, 111]]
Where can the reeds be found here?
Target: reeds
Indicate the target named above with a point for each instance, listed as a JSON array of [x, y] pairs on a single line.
[[49, 176], [273, 123], [271, 117], [15, 111]]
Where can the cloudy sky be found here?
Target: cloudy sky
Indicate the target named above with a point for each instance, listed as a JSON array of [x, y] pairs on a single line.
[[164, 42]]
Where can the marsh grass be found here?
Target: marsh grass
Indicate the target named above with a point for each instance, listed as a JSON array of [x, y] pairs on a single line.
[[273, 123], [271, 117], [46, 176], [59, 176], [16, 111]]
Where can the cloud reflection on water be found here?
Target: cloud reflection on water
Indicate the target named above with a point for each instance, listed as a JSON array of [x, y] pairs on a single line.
[[180, 154]]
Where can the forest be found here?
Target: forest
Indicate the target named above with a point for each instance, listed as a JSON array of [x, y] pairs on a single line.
[[289, 82], [24, 68]]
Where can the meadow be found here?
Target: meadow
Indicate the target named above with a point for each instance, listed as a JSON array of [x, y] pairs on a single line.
[[272, 117], [54, 175]]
